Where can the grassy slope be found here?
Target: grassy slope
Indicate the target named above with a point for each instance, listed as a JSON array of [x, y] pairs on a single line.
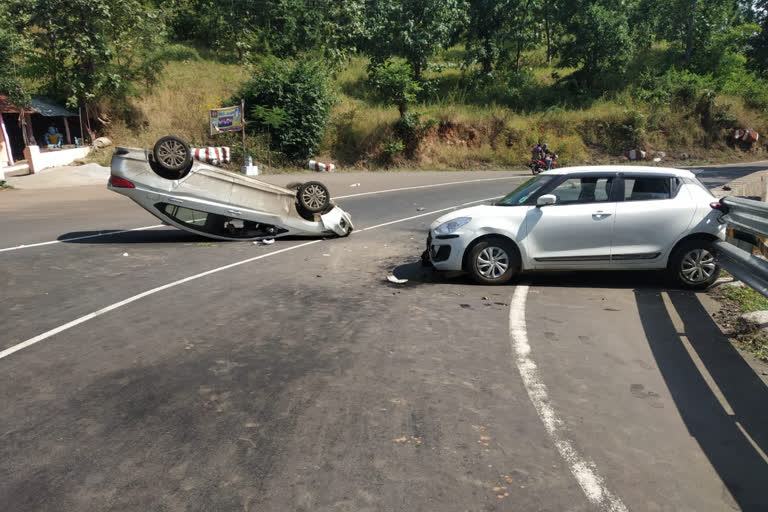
[[471, 131], [178, 105]]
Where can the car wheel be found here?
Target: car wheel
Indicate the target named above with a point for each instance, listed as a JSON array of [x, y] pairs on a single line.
[[693, 265], [493, 261], [313, 196], [172, 154]]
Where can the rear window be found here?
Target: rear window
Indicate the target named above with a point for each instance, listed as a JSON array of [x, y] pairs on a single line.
[[646, 188]]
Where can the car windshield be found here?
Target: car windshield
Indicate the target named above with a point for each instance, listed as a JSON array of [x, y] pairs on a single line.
[[524, 191]]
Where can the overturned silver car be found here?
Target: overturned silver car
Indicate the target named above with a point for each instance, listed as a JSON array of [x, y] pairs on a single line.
[[208, 201]]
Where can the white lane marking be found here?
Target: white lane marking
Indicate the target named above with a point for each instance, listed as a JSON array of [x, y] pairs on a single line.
[[582, 469], [424, 186], [37, 339], [106, 233]]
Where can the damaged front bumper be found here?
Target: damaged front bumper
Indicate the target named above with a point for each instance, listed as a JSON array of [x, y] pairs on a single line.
[[444, 252], [337, 221]]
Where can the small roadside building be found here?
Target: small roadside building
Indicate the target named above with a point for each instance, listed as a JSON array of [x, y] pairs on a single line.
[[22, 130]]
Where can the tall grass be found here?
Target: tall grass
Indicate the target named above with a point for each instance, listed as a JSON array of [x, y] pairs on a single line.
[[180, 102]]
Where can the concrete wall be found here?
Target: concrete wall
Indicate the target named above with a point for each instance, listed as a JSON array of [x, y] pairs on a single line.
[[55, 158]]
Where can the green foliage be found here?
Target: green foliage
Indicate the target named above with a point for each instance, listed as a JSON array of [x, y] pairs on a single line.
[[293, 100], [286, 28], [12, 44], [84, 50], [747, 298], [411, 29], [393, 147], [394, 85], [598, 40], [488, 31], [411, 129], [274, 117], [176, 52]]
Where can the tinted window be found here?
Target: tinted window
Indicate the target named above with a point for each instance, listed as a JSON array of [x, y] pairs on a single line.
[[647, 188], [526, 190], [583, 190]]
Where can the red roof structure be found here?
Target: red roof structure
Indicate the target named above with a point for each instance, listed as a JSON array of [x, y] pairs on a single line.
[[6, 107]]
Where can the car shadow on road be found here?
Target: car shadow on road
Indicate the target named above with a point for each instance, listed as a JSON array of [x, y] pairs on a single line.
[[148, 236], [417, 273], [719, 429]]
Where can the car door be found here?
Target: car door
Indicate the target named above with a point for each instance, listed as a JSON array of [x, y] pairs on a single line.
[[655, 211], [205, 189], [576, 231]]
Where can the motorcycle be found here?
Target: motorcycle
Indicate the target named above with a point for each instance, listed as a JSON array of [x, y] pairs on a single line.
[[541, 165]]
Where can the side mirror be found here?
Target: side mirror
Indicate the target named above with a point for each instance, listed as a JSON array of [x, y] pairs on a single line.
[[546, 199]]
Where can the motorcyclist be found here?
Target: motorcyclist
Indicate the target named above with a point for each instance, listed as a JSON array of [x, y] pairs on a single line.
[[536, 153], [547, 155]]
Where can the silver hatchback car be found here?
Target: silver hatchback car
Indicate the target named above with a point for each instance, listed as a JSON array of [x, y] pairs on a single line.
[[587, 218], [218, 204]]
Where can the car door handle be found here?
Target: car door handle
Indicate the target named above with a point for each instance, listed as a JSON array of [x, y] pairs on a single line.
[[174, 200], [601, 215], [234, 212]]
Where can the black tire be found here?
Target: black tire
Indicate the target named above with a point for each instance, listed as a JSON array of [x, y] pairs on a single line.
[[693, 265], [487, 257], [172, 154], [313, 196]]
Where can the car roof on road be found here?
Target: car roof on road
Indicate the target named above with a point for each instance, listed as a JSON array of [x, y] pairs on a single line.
[[633, 169]]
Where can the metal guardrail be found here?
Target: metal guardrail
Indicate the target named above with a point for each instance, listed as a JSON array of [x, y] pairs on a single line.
[[746, 214], [751, 217]]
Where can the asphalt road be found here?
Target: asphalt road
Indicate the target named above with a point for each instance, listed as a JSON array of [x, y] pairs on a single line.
[[295, 377]]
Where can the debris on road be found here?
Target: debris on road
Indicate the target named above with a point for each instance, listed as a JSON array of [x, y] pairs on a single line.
[[125, 254], [355, 185], [420, 209], [266, 241], [392, 279]]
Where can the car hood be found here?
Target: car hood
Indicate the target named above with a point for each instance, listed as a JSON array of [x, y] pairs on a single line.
[[473, 211]]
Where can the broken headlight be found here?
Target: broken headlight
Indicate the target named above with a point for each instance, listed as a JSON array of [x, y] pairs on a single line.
[[449, 227]]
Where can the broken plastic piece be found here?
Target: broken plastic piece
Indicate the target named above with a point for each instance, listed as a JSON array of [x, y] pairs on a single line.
[[392, 279]]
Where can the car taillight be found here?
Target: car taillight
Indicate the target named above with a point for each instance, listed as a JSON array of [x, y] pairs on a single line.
[[118, 182]]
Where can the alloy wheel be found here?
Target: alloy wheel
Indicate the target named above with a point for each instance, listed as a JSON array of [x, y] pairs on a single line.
[[697, 266], [314, 196], [492, 262], [171, 153]]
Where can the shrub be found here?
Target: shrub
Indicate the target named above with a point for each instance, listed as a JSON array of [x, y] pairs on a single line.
[[394, 85], [176, 52], [299, 89]]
